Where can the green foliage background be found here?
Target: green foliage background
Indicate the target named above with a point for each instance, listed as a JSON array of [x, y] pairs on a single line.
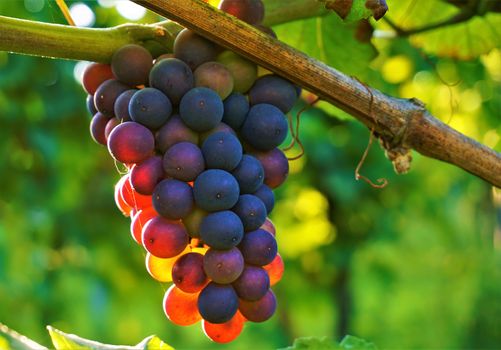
[[416, 265]]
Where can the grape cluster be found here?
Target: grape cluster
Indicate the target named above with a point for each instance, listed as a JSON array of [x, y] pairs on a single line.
[[198, 131]]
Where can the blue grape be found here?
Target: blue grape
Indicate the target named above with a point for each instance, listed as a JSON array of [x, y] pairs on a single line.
[[90, 105], [217, 303], [274, 90], [173, 199], [221, 230], [215, 190], [183, 161], [150, 107], [222, 150], [121, 107], [249, 174], [251, 210], [265, 127], [173, 77], [267, 197], [236, 108], [201, 109]]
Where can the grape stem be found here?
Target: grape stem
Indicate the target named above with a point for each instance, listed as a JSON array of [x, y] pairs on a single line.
[[400, 124]]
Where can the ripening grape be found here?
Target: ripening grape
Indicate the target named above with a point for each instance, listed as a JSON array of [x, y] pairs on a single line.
[[160, 269], [252, 284], [94, 75], [201, 109], [180, 307], [275, 270], [90, 105], [173, 77], [134, 199], [131, 142], [146, 175], [97, 128], [164, 238], [215, 76], [249, 174], [138, 222], [183, 161], [106, 95], [121, 107], [260, 310], [188, 273], [215, 189], [258, 247], [275, 165], [251, 211], [273, 90], [217, 303], [174, 131], [131, 64], [236, 108], [265, 127], [223, 266], [250, 11], [268, 226], [221, 230], [193, 220], [244, 72], [173, 199], [150, 107], [194, 49], [224, 332], [265, 194], [119, 201], [222, 150]]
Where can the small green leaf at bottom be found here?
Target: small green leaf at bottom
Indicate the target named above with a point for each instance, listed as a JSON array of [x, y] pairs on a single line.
[[63, 341]]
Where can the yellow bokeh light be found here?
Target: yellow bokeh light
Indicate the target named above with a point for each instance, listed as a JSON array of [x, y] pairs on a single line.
[[492, 63], [397, 69]]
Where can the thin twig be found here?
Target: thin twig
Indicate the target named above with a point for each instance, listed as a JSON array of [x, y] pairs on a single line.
[[66, 12]]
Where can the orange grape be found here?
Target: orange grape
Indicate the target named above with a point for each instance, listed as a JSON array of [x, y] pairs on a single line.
[[275, 270], [131, 197], [119, 201], [224, 332], [180, 307]]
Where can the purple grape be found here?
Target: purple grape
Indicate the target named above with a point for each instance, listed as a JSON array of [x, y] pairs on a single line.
[[90, 105], [236, 108], [223, 266], [106, 95], [258, 247], [251, 210], [121, 107], [249, 174], [194, 49], [275, 165], [97, 128], [145, 176], [259, 310], [150, 107], [173, 77], [215, 190], [274, 90], [131, 142], [183, 161], [174, 131], [250, 11], [267, 197], [265, 127], [173, 199], [188, 273], [222, 150], [252, 284], [201, 109], [131, 64]]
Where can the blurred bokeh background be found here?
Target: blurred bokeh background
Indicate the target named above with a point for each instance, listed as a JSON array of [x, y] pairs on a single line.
[[414, 265]]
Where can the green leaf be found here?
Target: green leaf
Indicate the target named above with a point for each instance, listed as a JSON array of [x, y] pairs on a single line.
[[313, 343], [350, 342], [466, 40], [63, 341], [357, 9], [331, 41], [11, 340]]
